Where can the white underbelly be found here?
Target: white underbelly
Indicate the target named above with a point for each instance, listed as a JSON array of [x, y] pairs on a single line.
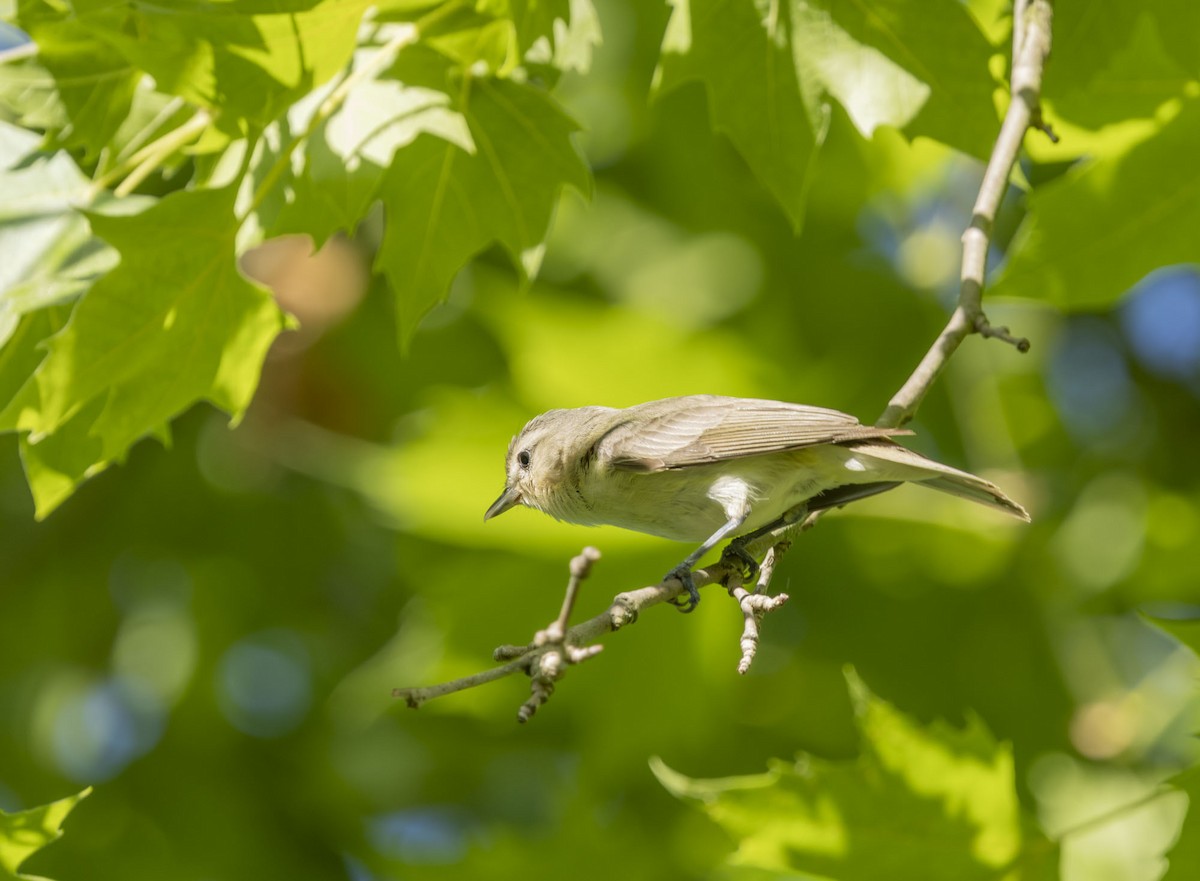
[[690, 504]]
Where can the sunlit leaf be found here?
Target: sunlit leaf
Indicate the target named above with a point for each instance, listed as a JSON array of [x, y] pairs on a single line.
[[24, 833], [915, 65], [170, 326], [249, 60], [349, 152], [914, 790], [1102, 105], [50, 253], [95, 82]]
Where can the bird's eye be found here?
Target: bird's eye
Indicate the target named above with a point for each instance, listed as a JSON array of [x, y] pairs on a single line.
[[523, 458]]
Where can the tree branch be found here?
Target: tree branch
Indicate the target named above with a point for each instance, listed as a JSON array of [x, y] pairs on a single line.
[[1031, 47], [546, 659]]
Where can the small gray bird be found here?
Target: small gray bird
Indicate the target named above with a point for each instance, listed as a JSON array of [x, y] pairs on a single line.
[[705, 467]]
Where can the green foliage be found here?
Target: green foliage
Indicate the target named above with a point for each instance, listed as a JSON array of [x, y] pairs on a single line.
[[24, 833], [1132, 226], [913, 790], [499, 181], [126, 363], [268, 84], [1184, 859], [769, 69]]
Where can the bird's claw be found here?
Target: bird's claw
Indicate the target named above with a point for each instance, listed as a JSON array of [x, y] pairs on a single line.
[[736, 554], [683, 574]]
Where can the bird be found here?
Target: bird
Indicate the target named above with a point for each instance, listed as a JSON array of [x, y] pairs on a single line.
[[702, 468]]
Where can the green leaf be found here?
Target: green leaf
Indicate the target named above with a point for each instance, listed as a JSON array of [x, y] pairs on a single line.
[[920, 67], [249, 60], [349, 152], [914, 791], [95, 82], [1091, 234], [29, 96], [1183, 861], [24, 833], [1179, 25], [174, 323], [1103, 103], [445, 203], [1186, 630], [742, 57], [22, 352], [52, 255], [1087, 36], [916, 65], [558, 33]]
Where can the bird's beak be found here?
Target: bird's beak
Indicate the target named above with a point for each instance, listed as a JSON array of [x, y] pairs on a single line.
[[510, 498]]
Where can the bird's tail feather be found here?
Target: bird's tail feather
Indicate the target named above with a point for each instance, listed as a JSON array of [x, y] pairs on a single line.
[[916, 468]]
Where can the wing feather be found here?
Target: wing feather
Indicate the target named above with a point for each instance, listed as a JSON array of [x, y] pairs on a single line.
[[700, 429]]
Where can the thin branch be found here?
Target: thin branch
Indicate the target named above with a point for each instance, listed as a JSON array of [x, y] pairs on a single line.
[[1031, 47], [141, 164], [581, 567], [756, 605], [545, 659]]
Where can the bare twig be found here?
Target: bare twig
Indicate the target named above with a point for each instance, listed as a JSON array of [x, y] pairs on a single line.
[[755, 605], [1031, 46], [581, 567], [545, 659]]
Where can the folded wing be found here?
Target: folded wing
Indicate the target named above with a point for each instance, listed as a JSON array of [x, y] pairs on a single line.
[[701, 429]]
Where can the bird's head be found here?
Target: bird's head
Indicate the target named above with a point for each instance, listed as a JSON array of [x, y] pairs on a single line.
[[545, 459]]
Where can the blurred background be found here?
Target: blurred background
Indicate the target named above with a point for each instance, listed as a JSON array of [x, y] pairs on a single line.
[[210, 632]]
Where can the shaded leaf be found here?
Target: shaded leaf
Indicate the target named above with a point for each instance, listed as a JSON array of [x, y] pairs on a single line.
[[445, 204], [1183, 860], [755, 96], [1186, 630], [767, 65], [1103, 106], [1090, 235]]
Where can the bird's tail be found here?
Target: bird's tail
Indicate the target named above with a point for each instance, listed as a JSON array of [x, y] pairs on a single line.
[[901, 463]]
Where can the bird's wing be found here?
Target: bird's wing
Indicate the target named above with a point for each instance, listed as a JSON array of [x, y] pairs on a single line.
[[701, 429]]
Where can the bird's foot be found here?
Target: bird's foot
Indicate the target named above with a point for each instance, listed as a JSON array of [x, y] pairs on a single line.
[[735, 554], [683, 574]]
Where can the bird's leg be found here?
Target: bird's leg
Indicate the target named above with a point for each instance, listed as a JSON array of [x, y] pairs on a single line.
[[683, 572], [737, 547], [735, 554]]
